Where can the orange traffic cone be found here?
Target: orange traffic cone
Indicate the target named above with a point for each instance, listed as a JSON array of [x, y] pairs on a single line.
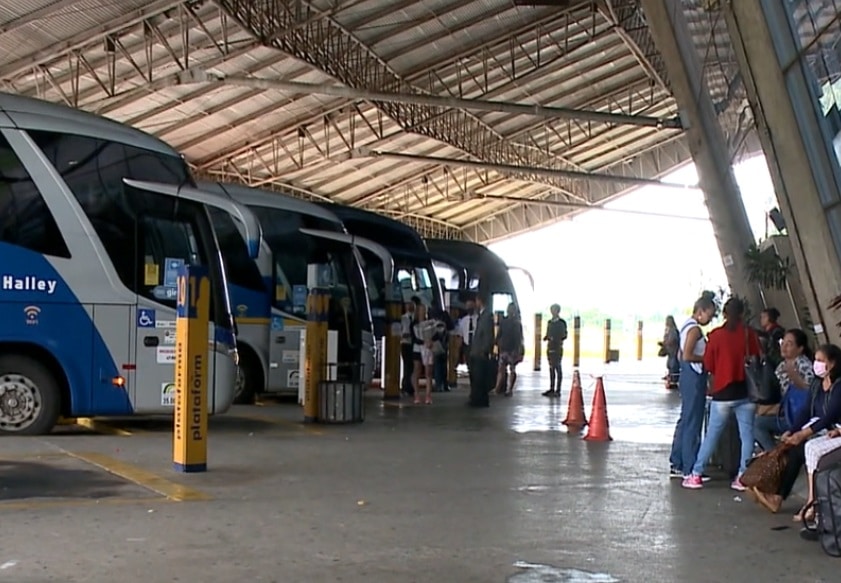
[[576, 418], [599, 429]]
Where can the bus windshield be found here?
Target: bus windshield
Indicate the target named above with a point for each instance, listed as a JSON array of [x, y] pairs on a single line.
[[240, 268], [415, 280], [293, 251], [146, 235]]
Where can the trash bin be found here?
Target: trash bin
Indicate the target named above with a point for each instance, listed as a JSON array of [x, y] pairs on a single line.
[[341, 402]]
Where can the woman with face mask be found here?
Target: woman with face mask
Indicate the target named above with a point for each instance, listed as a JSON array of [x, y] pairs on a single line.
[[820, 415]]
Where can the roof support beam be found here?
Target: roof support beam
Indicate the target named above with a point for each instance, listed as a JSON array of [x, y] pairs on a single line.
[[433, 100], [519, 171], [331, 48]]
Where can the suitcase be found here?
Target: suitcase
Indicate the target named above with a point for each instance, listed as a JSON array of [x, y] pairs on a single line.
[[728, 452], [828, 506]]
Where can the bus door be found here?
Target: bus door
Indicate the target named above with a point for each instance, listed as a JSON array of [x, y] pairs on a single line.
[[171, 231], [380, 264]]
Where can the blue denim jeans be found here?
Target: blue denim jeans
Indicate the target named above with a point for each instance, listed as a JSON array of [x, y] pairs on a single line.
[[720, 412], [693, 400], [765, 427]]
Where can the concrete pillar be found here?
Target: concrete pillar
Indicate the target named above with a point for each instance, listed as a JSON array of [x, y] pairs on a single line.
[[733, 234], [794, 146]]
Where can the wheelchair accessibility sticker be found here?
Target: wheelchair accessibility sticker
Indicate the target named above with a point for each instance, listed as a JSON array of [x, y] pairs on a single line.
[[145, 318]]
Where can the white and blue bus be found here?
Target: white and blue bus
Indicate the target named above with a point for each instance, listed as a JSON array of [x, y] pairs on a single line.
[[95, 220], [269, 295]]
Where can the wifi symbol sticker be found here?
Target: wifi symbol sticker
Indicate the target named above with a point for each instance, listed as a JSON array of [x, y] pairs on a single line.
[[32, 313]]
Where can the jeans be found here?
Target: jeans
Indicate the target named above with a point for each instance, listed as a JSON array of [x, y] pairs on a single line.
[[765, 427], [719, 416], [693, 400]]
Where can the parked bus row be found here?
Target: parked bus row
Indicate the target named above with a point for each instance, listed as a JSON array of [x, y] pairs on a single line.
[[96, 218]]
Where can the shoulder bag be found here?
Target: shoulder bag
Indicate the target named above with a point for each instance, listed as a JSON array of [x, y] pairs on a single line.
[[763, 385]]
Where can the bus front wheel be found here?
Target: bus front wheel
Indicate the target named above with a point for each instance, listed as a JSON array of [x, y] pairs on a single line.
[[248, 380], [30, 399]]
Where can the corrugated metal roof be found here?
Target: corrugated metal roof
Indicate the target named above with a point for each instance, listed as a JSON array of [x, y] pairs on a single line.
[[474, 49]]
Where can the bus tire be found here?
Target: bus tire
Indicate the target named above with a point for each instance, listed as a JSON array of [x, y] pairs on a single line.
[[30, 397], [249, 379]]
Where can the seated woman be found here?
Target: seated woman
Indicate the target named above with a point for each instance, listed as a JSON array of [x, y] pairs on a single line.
[[818, 451], [821, 414], [795, 370]]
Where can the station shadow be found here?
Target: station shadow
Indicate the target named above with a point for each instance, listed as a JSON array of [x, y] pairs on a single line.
[[61, 479]]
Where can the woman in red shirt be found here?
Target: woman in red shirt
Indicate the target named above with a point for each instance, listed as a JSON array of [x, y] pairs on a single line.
[[728, 348]]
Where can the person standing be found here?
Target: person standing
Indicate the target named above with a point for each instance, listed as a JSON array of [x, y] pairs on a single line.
[[466, 330], [692, 386], [481, 347], [556, 333], [728, 349], [671, 346], [407, 322], [511, 348]]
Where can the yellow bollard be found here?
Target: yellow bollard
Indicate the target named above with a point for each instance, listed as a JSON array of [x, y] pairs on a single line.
[[189, 431], [315, 350], [538, 340], [607, 340], [393, 332], [576, 341], [639, 340]]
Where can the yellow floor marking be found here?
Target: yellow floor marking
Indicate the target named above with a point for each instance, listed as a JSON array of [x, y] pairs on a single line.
[[300, 425], [141, 477], [35, 456], [100, 427], [74, 503]]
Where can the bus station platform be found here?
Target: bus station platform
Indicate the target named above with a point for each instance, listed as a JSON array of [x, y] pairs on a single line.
[[440, 493]]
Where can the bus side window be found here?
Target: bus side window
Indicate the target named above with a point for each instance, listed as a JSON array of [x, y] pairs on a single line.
[[25, 219]]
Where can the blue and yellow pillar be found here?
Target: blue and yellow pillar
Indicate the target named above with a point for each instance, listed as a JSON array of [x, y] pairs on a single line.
[[576, 341], [318, 304], [393, 332], [189, 432]]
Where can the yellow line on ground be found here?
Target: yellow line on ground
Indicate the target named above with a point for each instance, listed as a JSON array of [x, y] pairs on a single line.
[[34, 456], [141, 477], [74, 503], [300, 425], [100, 427]]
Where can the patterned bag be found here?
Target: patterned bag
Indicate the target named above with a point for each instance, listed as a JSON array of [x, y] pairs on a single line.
[[764, 472]]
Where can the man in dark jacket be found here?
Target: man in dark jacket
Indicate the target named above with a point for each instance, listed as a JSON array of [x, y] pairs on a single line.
[[481, 373]]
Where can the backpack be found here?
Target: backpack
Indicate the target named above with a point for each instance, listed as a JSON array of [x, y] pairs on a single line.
[[828, 507]]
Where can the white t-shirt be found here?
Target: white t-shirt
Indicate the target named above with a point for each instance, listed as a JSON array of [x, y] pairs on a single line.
[[700, 345]]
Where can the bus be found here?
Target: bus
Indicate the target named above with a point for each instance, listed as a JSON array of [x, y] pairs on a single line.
[[95, 220], [270, 295], [472, 267], [413, 274]]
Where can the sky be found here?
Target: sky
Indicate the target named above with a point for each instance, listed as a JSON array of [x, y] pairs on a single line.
[[632, 264]]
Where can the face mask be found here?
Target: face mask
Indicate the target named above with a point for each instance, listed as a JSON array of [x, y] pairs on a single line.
[[819, 368]]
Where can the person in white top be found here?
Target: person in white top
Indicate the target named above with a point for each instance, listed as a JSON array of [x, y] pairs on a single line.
[[692, 386], [466, 327], [407, 321]]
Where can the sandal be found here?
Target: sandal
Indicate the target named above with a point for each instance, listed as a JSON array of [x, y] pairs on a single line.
[[805, 514]]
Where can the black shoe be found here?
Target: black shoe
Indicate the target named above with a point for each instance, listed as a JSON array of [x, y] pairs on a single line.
[[549, 393], [809, 535]]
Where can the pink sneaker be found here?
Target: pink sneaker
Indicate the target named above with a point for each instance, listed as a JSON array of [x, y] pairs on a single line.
[[737, 485], [693, 482]]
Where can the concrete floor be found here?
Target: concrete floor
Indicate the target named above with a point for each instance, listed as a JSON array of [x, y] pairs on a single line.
[[441, 494]]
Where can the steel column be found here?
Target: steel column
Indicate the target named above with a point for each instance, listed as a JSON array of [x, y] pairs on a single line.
[[706, 142]]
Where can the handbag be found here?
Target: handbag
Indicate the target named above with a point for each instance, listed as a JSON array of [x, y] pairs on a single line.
[[766, 471], [760, 377]]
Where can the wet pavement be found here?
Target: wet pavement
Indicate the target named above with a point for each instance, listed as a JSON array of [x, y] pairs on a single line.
[[440, 493]]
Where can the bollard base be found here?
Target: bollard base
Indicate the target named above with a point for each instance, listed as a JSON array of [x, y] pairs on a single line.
[[189, 468], [391, 397], [310, 419]]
